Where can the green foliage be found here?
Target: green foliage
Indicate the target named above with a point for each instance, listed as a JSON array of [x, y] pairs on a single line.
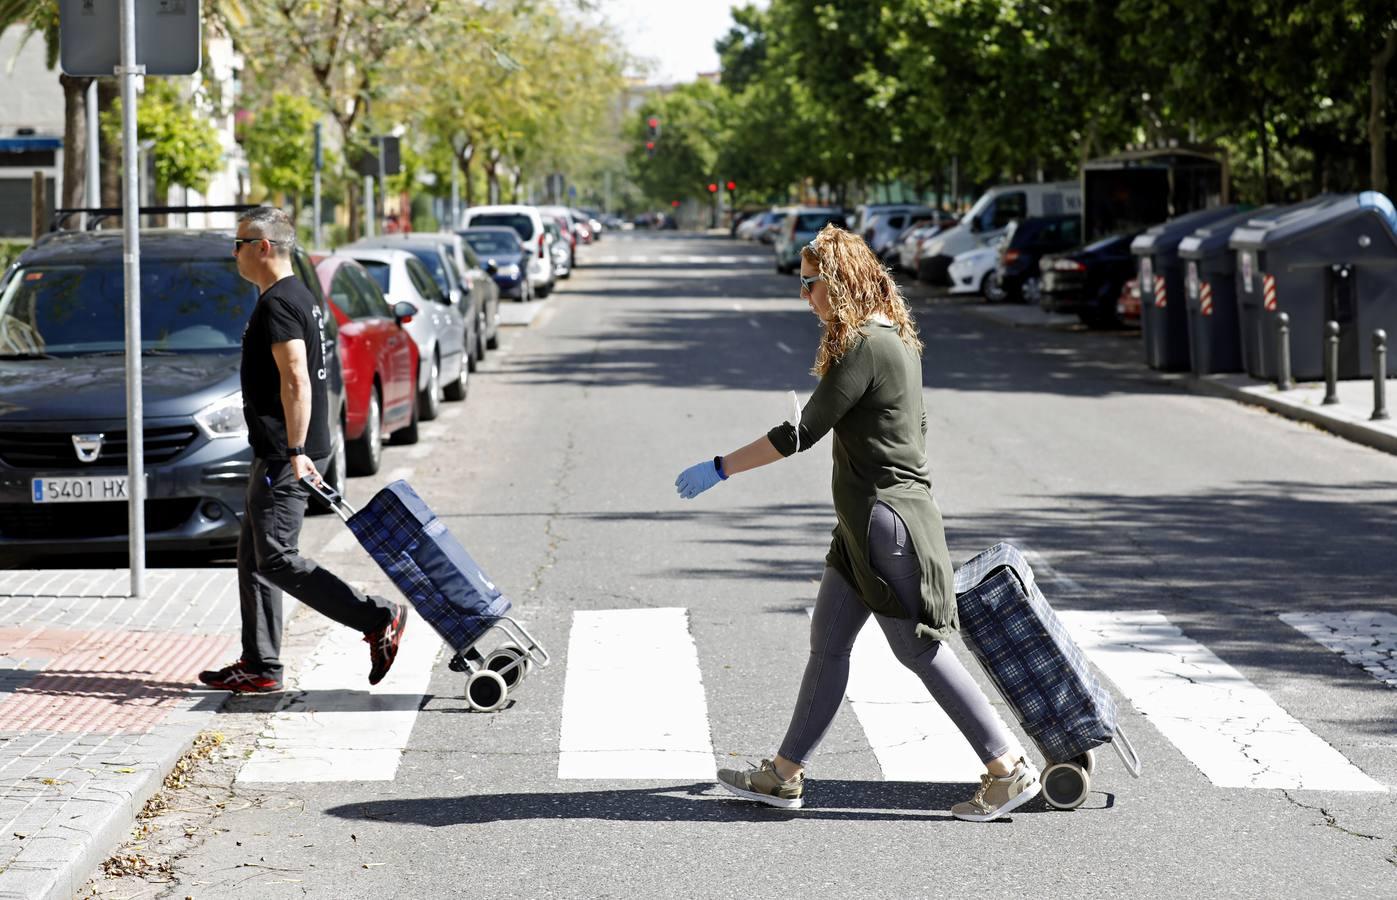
[[280, 145], [186, 148]]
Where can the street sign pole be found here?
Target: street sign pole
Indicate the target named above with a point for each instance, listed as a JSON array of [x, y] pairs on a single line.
[[94, 185], [455, 198], [368, 206], [131, 263], [382, 186], [315, 203]]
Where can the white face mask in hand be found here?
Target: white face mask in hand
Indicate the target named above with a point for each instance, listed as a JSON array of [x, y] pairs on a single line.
[[795, 405]]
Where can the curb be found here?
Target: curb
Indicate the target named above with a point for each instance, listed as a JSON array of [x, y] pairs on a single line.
[[1350, 426]]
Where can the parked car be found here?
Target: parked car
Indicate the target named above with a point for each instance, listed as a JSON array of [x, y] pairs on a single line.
[[1016, 277], [472, 291], [801, 225], [379, 359], [528, 224], [558, 246], [971, 270], [885, 225], [567, 229], [1128, 306], [1087, 281], [910, 248], [751, 221], [436, 326], [504, 256], [63, 437], [990, 217]]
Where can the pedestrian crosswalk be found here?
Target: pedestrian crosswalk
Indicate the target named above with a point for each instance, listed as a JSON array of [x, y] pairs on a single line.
[[676, 259], [1231, 730]]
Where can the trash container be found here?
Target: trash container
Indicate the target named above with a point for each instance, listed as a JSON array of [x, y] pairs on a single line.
[[1335, 260], [1214, 336], [1163, 313]]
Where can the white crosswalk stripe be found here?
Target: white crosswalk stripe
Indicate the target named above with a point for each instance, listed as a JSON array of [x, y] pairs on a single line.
[[633, 701], [1225, 725], [1366, 639], [672, 259]]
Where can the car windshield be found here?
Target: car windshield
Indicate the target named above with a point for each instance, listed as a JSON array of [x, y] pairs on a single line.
[[378, 271], [187, 306], [816, 221], [521, 223], [433, 261], [493, 243]]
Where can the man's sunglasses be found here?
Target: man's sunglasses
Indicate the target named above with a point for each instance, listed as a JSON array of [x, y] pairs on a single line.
[[807, 282], [238, 242]]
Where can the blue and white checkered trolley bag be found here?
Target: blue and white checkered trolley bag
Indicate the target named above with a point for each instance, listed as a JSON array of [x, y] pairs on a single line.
[[1039, 670], [446, 586]]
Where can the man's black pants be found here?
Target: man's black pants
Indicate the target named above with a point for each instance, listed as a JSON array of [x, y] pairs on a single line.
[[270, 562]]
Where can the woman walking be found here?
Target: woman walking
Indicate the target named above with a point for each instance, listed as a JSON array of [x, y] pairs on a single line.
[[889, 555]]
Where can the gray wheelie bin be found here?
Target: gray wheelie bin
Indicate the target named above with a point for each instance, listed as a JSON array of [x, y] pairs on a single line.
[[1336, 260], [1214, 336], [1163, 313]]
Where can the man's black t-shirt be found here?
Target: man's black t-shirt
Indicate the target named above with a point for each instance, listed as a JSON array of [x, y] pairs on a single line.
[[286, 311]]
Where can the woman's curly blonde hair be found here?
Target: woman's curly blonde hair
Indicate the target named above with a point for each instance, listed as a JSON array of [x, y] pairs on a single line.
[[859, 287]]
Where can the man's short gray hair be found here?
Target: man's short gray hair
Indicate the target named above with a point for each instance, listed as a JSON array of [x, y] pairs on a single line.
[[272, 223]]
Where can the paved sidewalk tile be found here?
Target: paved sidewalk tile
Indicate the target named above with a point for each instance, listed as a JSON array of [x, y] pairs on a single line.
[[96, 706], [1351, 417]]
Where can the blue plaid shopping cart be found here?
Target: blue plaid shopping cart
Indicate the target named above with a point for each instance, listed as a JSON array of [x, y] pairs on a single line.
[[445, 585]]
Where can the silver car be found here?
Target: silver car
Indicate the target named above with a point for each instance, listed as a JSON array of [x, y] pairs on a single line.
[[437, 327]]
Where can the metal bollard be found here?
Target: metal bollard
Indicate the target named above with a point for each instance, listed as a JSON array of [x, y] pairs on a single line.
[[1379, 375], [1331, 363], [1283, 380]]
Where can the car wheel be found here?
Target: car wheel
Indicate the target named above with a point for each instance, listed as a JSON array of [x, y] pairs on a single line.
[[429, 398], [543, 291], [333, 474], [456, 390], [409, 433], [365, 454], [993, 288], [493, 341], [1032, 290]]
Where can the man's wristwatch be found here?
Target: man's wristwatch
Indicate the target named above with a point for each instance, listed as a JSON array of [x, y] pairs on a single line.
[[295, 451]]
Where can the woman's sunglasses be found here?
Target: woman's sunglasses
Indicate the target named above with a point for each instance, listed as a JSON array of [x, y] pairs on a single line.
[[807, 283]]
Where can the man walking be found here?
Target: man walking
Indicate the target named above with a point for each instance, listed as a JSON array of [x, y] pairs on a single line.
[[286, 404]]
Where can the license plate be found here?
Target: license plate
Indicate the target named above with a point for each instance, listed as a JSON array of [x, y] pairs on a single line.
[[80, 489]]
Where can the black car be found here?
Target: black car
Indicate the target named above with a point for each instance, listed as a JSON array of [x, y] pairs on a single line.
[[1016, 277], [504, 257], [63, 435], [1088, 281]]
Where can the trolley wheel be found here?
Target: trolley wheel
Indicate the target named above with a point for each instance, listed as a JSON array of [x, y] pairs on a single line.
[[467, 660], [1065, 785], [508, 656], [486, 691], [1087, 761]]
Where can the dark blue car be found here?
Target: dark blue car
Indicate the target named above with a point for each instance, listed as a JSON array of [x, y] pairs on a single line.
[[504, 257]]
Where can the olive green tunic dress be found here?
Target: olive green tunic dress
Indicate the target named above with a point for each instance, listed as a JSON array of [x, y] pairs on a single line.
[[872, 399]]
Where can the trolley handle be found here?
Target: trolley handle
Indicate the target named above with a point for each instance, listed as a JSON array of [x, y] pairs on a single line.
[[1122, 745], [330, 496]]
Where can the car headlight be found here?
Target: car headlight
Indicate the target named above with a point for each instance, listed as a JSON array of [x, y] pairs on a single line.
[[509, 271], [223, 418]]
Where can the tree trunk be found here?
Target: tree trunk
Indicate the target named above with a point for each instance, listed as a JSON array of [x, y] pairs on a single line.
[[1377, 112], [107, 92], [353, 228], [75, 138], [1265, 142], [463, 162]]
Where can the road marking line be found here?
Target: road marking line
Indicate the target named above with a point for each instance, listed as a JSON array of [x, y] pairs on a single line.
[[1041, 567], [754, 323], [340, 728], [784, 347], [1366, 639], [633, 699], [1228, 727], [912, 737]]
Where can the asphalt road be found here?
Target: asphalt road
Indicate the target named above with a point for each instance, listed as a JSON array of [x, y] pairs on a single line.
[[557, 473]]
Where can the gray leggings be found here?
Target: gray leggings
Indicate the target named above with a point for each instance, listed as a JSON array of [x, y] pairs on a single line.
[[840, 614]]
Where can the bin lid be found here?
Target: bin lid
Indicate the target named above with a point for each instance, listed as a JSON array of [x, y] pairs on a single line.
[[1165, 237], [1213, 238], [1255, 233]]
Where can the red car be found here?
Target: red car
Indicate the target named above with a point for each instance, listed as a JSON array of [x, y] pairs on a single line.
[[379, 360]]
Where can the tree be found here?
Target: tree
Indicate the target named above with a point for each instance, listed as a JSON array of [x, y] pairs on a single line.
[[186, 151], [684, 160], [280, 145]]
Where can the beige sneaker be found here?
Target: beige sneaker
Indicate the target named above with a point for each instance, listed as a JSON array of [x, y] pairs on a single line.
[[999, 796], [762, 784]]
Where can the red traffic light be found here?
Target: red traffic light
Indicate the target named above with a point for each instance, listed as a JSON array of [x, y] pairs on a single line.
[[732, 185], [674, 203], [713, 189], [653, 122], [649, 145]]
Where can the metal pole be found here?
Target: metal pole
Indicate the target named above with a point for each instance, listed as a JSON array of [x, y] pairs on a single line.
[[1331, 363], [455, 197], [94, 156], [1379, 375], [315, 195], [368, 206], [382, 184], [1283, 381], [130, 226]]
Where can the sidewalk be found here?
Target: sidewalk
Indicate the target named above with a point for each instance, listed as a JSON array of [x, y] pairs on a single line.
[[96, 707]]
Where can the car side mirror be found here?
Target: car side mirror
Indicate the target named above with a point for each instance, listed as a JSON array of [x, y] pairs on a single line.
[[403, 312]]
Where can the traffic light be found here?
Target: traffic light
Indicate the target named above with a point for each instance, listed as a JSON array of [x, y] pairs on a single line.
[[674, 203], [732, 186], [654, 123], [650, 148], [712, 188]]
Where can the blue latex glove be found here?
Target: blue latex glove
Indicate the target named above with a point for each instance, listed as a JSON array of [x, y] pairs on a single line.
[[696, 479]]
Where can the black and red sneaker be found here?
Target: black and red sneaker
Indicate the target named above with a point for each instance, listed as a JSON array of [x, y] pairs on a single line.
[[240, 679], [383, 643]]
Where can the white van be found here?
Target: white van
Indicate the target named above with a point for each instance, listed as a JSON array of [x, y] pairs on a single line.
[[528, 224], [990, 217]]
